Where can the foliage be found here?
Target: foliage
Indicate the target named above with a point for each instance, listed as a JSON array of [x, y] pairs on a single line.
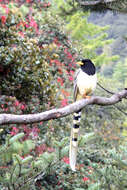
[[38, 54], [25, 47], [21, 62], [51, 170], [90, 39], [18, 164], [117, 30], [120, 72]]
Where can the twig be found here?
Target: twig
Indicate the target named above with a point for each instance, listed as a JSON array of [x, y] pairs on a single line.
[[104, 88], [11, 178], [112, 93], [120, 110]]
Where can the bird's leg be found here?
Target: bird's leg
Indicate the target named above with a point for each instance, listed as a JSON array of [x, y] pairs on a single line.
[[88, 97], [85, 96]]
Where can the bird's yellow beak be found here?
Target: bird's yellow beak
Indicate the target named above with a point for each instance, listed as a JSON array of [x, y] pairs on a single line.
[[79, 63]]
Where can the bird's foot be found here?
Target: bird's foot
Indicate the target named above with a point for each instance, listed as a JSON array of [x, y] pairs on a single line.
[[88, 97]]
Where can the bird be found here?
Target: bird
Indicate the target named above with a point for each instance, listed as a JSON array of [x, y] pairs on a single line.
[[84, 84]]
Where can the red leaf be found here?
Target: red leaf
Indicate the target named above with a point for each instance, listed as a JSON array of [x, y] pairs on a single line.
[[65, 92], [56, 42], [7, 10], [66, 160], [3, 19], [85, 179], [60, 70], [17, 103], [35, 131], [64, 102], [14, 131], [60, 80], [50, 149], [70, 78], [28, 1], [40, 149], [72, 72], [21, 34], [22, 107]]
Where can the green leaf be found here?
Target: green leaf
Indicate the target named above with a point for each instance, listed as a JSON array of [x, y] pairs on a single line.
[[84, 139], [16, 137], [44, 160], [27, 146], [24, 9], [64, 151], [17, 158], [17, 147], [64, 141], [26, 171], [37, 163], [27, 159], [49, 157], [56, 143], [95, 186]]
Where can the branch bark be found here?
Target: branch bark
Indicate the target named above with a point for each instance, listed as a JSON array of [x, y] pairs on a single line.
[[61, 112], [92, 3]]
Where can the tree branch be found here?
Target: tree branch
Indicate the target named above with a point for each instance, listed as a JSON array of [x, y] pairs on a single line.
[[92, 3], [62, 112]]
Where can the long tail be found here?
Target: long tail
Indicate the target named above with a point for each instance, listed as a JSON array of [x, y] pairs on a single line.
[[74, 140]]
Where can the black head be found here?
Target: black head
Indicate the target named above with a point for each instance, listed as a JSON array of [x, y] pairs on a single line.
[[87, 66]]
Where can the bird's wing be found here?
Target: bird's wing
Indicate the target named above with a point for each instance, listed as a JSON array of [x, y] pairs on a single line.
[[75, 85]]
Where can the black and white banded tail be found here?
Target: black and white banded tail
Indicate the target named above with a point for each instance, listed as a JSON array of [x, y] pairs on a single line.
[[74, 139]]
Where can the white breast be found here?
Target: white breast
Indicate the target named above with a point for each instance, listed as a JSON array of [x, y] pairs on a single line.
[[86, 83]]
